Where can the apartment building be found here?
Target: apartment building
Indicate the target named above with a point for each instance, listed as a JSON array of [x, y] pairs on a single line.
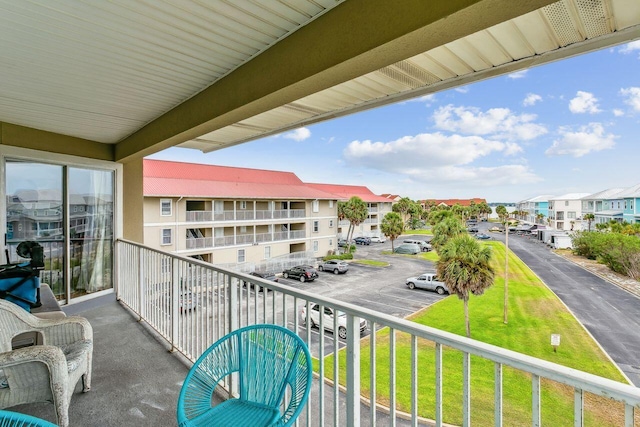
[[605, 205], [565, 212], [536, 209], [228, 215], [378, 207]]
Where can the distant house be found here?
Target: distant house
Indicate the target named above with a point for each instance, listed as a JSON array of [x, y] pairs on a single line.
[[393, 197], [603, 206], [565, 212], [378, 206], [631, 198], [451, 202], [533, 207]]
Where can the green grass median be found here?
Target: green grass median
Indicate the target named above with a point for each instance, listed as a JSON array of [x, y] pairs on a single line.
[[534, 314]]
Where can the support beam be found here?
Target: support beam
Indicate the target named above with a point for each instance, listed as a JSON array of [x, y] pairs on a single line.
[[354, 38]]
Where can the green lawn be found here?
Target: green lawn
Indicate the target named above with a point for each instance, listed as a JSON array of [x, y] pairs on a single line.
[[422, 231], [371, 262], [534, 314]]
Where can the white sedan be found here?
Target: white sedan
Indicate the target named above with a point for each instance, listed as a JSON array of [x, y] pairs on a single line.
[[378, 239], [314, 318]]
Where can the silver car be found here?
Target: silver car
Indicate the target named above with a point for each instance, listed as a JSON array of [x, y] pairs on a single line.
[[428, 281], [314, 319], [334, 265]]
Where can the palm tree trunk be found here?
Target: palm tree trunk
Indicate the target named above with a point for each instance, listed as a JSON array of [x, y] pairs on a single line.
[[506, 277], [466, 316]]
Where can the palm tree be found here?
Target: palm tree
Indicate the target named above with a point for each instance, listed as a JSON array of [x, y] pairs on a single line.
[[504, 218], [540, 218], [391, 226], [465, 267], [403, 207], [446, 229], [355, 212], [589, 217]]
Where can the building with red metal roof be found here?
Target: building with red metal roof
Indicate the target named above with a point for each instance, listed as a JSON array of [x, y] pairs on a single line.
[[242, 216]]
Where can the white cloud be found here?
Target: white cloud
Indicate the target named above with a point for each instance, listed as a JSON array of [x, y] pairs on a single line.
[[584, 102], [440, 158], [633, 97], [299, 134], [463, 89], [531, 99], [427, 99], [618, 113], [499, 123], [518, 74], [587, 139], [630, 47]]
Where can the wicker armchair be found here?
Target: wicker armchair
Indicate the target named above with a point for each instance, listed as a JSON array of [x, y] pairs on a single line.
[[48, 372]]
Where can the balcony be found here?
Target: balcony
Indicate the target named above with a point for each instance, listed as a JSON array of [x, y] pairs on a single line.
[[243, 215], [136, 381]]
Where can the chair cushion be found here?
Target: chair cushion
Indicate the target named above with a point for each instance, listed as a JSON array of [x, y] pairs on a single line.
[[237, 413], [76, 353]]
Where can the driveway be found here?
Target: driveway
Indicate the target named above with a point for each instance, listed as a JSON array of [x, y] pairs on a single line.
[[610, 314]]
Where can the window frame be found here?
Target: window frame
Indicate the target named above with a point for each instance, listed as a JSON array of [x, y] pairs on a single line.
[[315, 227], [315, 206], [162, 236], [241, 254], [163, 201]]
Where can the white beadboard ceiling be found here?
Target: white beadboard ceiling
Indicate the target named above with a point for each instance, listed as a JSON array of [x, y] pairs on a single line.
[[135, 60]]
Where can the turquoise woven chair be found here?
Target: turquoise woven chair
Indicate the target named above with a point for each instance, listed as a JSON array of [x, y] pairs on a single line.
[[273, 367], [15, 419]]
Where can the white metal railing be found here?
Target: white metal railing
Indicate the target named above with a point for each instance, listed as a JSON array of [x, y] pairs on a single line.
[[157, 286], [199, 216], [199, 242]]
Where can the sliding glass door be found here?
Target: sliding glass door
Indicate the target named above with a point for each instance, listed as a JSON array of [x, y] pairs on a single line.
[[70, 212]]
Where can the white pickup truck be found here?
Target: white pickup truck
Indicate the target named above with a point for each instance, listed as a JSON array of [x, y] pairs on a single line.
[[428, 281]]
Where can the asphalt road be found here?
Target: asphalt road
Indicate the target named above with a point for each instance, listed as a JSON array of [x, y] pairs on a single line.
[[610, 314], [381, 289]]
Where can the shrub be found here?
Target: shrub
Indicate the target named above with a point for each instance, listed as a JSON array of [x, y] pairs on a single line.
[[343, 256], [619, 252]]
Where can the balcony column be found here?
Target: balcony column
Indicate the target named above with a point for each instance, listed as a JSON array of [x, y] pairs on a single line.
[[133, 201]]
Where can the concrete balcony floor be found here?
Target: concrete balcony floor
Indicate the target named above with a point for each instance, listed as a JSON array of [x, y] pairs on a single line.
[[136, 380]]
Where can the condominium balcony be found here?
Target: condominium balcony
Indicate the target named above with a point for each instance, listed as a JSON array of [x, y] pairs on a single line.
[[136, 381], [242, 239], [244, 215]]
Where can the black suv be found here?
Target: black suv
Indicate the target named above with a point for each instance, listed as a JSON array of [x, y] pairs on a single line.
[[304, 273], [362, 240]]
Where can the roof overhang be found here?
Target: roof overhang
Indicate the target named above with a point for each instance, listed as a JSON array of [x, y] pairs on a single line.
[[121, 81]]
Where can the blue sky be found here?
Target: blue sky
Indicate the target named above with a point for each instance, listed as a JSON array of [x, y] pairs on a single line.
[[568, 126]]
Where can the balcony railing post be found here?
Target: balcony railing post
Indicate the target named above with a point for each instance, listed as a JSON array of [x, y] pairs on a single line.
[[233, 324], [175, 291], [353, 370], [141, 278]]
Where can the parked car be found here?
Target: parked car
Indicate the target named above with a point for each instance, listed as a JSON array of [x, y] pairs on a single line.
[[334, 265], [472, 229], [362, 240], [188, 301], [495, 229], [342, 243], [424, 246], [428, 281], [407, 248], [327, 322], [263, 275], [304, 273], [378, 239], [482, 236]]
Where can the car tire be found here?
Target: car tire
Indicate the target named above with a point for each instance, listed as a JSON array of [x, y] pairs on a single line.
[[285, 275], [412, 285], [302, 278], [336, 271], [313, 324], [440, 290], [320, 268], [342, 332]]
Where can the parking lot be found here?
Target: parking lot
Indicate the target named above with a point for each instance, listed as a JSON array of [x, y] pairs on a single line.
[[381, 289]]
